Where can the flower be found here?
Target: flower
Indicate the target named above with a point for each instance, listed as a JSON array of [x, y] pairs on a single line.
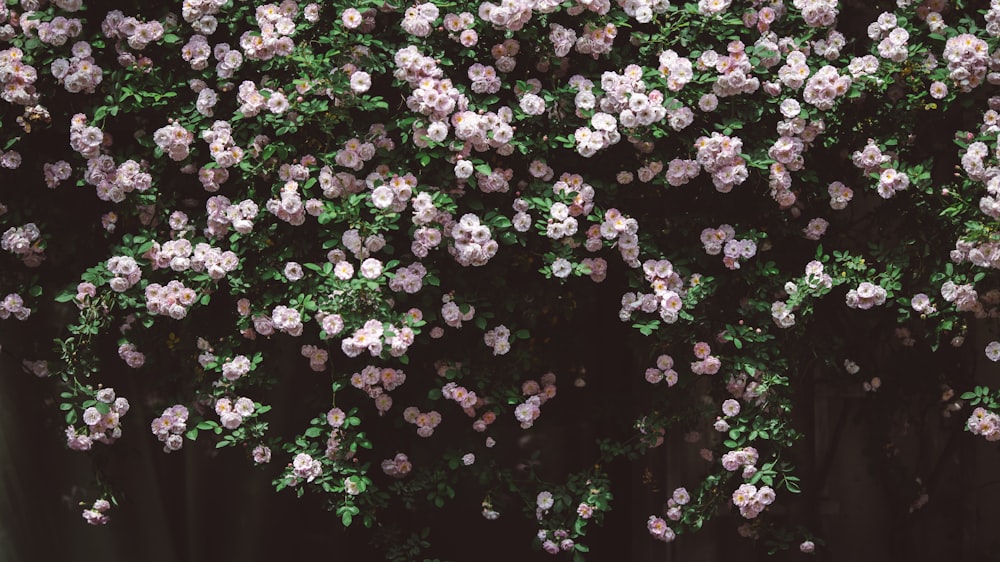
[[731, 408], [360, 82], [293, 271], [993, 351], [371, 268], [561, 268], [544, 500], [938, 90]]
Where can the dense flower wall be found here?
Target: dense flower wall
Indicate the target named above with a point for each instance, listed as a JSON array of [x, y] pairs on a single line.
[[409, 204]]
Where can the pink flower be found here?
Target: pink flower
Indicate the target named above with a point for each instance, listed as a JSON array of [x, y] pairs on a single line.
[[731, 408], [261, 454]]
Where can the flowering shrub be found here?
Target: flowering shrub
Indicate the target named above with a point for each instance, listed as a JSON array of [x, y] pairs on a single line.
[[423, 202]]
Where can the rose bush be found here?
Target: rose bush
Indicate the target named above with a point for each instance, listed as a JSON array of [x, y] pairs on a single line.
[[416, 205]]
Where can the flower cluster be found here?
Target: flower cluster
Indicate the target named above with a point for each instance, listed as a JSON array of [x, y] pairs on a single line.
[[474, 244], [720, 156], [498, 339], [317, 357], [538, 392], [745, 458], [425, 421], [17, 78], [735, 71], [236, 367], [866, 296], [840, 195], [892, 39], [221, 145], [98, 513], [659, 529], [136, 33], [231, 414], [398, 466], [170, 427], [131, 355], [288, 207], [602, 133], [377, 383], [304, 467], [126, 273], [751, 500], [24, 242], [408, 279], [179, 255], [172, 300], [13, 305], [664, 371], [464, 397], [366, 338], [174, 140], [825, 86], [78, 73], [419, 20], [103, 419], [723, 239], [255, 100], [707, 363], [968, 60], [964, 296], [276, 26], [984, 422]]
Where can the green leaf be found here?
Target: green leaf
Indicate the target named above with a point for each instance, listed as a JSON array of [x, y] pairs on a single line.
[[313, 432], [65, 296]]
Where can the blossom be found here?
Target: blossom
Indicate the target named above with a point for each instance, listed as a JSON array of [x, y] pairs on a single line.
[[360, 82], [561, 268], [261, 454], [993, 351], [731, 408], [293, 271], [371, 268], [544, 500], [938, 90]]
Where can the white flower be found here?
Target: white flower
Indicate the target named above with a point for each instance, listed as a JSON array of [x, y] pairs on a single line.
[[371, 268], [993, 351], [561, 268], [382, 197], [360, 82], [463, 169], [731, 408], [544, 500], [293, 271], [351, 486]]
